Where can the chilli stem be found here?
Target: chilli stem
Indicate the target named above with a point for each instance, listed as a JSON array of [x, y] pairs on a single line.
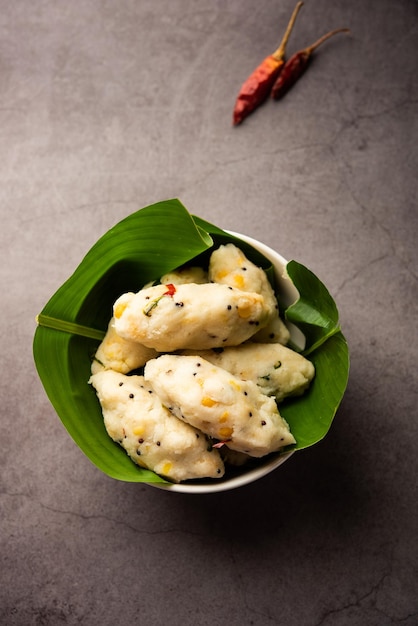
[[280, 52], [321, 40]]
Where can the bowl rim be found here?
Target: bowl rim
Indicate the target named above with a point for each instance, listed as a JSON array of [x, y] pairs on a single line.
[[229, 484]]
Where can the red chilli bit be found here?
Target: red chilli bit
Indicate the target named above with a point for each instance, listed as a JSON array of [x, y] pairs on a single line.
[[297, 64], [171, 290], [256, 89]]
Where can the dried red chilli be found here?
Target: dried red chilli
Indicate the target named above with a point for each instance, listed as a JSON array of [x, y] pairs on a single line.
[[295, 66], [256, 89]]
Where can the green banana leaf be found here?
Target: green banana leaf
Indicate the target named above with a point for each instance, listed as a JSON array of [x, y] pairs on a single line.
[[137, 250]]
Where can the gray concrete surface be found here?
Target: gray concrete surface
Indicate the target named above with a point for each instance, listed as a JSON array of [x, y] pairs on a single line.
[[106, 107]]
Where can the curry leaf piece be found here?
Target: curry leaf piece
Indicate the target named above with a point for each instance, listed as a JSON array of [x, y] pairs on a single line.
[[315, 312], [310, 416], [138, 249]]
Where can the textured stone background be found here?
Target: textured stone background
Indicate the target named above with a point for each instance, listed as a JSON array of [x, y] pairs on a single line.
[[106, 107]]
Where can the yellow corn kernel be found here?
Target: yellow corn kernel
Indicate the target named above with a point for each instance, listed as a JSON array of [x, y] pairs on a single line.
[[166, 468], [225, 432], [235, 385], [224, 417], [119, 309], [239, 281], [245, 309], [139, 430], [206, 401], [221, 274]]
